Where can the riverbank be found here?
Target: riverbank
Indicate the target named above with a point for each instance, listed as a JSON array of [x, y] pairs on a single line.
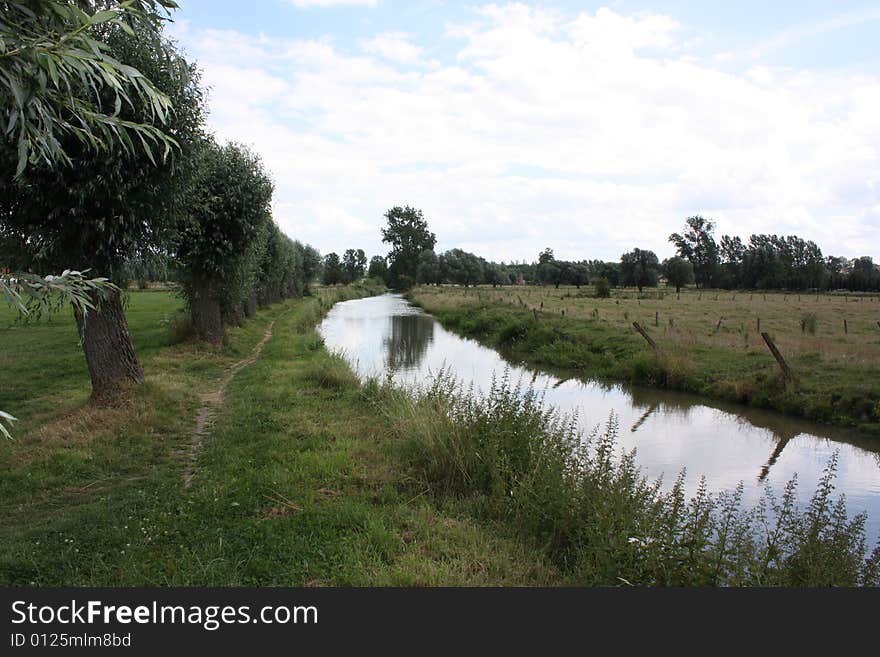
[[837, 382], [308, 477]]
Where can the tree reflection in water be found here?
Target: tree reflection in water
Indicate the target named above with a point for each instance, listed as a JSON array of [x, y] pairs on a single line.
[[408, 340], [782, 428]]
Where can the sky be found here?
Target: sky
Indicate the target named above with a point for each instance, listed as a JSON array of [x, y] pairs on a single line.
[[589, 128]]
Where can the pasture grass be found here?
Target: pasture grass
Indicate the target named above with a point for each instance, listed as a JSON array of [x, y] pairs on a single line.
[[708, 340]]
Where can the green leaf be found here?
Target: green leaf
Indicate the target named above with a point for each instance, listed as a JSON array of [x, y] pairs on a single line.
[[102, 17], [22, 156], [53, 71]]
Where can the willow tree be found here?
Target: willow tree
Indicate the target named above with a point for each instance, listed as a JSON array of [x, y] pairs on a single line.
[[30, 295], [100, 111], [309, 263], [222, 234], [277, 268], [60, 80], [640, 267]]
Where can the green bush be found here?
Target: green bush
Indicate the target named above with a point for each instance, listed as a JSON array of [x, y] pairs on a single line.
[[603, 288], [511, 332], [809, 322]]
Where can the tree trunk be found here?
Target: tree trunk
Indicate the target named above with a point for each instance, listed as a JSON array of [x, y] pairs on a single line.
[[250, 306], [205, 308], [236, 315], [262, 296], [108, 348]]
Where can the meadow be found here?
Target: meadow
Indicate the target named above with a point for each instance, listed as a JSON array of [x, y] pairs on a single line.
[[708, 341], [308, 477], [292, 486]]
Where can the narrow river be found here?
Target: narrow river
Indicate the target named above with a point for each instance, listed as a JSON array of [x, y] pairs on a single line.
[[725, 443]]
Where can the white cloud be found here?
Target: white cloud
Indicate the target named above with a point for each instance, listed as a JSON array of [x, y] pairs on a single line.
[[393, 45], [590, 135]]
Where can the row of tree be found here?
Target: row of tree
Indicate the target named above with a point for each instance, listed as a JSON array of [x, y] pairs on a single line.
[[352, 267], [764, 262], [107, 162], [768, 262]]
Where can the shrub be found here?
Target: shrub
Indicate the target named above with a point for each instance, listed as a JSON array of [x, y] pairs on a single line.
[[511, 332], [603, 288], [809, 321]]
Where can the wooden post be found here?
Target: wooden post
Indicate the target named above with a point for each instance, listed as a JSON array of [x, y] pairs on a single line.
[[759, 325], [845, 327], [645, 335], [786, 370], [656, 318]]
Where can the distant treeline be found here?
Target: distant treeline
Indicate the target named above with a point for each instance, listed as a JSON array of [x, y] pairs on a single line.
[[766, 262], [770, 262]]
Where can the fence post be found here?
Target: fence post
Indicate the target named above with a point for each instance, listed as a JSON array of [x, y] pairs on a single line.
[[786, 370], [645, 335]]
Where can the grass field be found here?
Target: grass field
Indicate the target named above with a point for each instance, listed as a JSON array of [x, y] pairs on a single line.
[[709, 341], [292, 486], [308, 477]]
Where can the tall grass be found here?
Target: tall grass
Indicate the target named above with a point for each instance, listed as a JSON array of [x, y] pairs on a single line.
[[591, 511]]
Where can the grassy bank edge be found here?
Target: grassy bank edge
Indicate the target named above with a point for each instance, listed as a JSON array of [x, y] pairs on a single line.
[[582, 348]]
